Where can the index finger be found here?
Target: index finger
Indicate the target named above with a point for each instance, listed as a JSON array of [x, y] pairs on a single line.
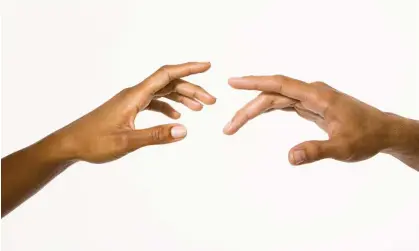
[[286, 86], [163, 76]]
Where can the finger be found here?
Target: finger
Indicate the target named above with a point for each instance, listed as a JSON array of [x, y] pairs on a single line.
[[188, 102], [286, 86], [313, 117], [168, 73], [193, 91], [306, 114], [260, 104], [163, 107], [311, 151], [285, 109], [162, 134]]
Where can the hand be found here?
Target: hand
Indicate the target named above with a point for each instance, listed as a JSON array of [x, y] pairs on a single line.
[[108, 132], [356, 130]]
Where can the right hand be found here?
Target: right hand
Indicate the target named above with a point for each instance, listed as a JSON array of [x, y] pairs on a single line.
[[356, 130], [108, 132]]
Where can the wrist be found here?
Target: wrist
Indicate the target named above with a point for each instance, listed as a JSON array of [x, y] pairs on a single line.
[[403, 136], [57, 148]]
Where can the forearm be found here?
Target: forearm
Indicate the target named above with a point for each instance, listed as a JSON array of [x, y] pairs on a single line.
[[404, 138], [24, 172]]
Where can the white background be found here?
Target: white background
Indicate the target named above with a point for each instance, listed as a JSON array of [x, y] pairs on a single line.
[[210, 192]]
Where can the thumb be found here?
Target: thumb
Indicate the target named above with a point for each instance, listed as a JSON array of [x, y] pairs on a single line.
[[161, 134], [311, 151]]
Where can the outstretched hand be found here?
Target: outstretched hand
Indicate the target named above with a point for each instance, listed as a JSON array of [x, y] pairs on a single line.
[[105, 134], [356, 130], [108, 132]]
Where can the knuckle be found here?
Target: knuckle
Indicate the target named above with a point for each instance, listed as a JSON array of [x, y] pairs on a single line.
[[165, 70], [323, 92], [316, 149], [331, 97], [157, 134], [268, 100], [189, 71], [181, 99], [199, 88], [279, 78], [320, 84], [320, 95], [195, 88], [164, 67], [315, 95], [242, 114]]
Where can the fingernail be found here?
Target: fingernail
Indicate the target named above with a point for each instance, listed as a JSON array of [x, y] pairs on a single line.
[[298, 157], [178, 132], [227, 127]]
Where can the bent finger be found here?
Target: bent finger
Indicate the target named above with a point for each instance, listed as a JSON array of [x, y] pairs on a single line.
[[188, 102], [163, 107], [257, 106]]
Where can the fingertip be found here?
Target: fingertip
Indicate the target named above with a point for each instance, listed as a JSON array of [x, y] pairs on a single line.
[[235, 80], [205, 98], [232, 80], [228, 129], [205, 65], [210, 100], [176, 115], [228, 133], [197, 107]]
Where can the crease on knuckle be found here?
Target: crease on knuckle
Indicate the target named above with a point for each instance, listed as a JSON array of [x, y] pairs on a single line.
[[189, 71], [243, 115], [279, 78], [279, 81], [165, 70], [157, 134], [181, 99]]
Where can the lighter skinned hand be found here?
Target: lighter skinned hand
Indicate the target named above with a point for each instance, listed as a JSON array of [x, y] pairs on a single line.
[[356, 130], [108, 132]]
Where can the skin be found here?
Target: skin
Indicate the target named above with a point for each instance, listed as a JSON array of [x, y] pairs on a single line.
[[357, 131], [105, 134]]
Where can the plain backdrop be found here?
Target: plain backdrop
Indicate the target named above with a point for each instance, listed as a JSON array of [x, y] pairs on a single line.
[[61, 59]]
